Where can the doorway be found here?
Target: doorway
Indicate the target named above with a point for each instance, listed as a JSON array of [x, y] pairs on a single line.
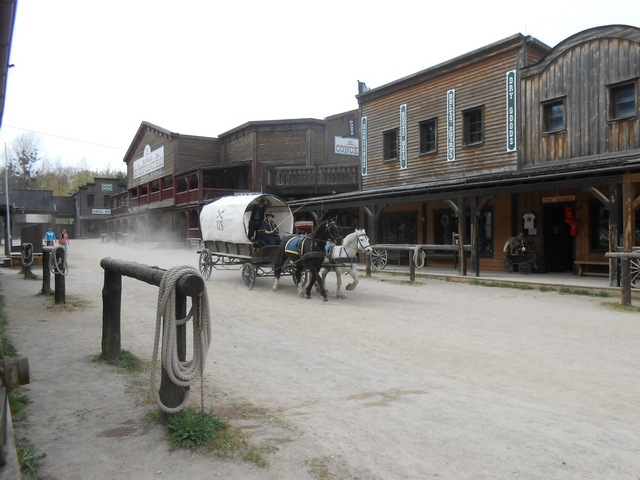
[[558, 242]]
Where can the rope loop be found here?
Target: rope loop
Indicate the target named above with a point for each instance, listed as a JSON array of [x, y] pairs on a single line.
[[27, 254], [181, 373], [58, 261], [419, 256]]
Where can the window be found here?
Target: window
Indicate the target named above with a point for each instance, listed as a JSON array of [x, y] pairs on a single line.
[[428, 136], [598, 227], [622, 101], [390, 146], [106, 201], [472, 126], [553, 116], [445, 225], [90, 200]]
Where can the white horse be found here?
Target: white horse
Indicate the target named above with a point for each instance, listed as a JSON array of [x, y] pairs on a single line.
[[354, 243]]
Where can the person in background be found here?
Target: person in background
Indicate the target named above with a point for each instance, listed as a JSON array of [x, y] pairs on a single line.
[[64, 240], [50, 237], [522, 243], [257, 216]]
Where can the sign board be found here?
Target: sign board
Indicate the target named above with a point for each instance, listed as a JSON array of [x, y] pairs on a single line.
[[403, 136], [150, 162], [363, 134], [451, 125], [511, 112], [346, 146]]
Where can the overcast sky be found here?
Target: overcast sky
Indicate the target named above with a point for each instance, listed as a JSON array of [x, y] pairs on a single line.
[[87, 73]]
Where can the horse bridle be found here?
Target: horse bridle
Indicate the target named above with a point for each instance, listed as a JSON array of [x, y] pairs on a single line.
[[364, 247], [328, 226]]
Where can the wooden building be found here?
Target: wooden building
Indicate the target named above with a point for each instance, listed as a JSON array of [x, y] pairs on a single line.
[[171, 175], [512, 137]]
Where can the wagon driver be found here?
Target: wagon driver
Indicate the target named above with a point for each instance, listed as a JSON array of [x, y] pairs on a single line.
[[268, 232]]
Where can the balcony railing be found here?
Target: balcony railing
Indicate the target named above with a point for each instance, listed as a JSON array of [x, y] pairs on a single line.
[[317, 179]]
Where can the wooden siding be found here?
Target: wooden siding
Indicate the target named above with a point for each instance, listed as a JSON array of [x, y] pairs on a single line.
[[283, 147], [238, 149], [579, 71], [194, 152], [481, 84]]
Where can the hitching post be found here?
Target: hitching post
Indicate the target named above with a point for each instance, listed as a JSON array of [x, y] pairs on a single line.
[[59, 258], [187, 286], [46, 273]]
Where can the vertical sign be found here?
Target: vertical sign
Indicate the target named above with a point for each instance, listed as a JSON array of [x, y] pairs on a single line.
[[363, 133], [451, 125], [511, 111], [403, 136]]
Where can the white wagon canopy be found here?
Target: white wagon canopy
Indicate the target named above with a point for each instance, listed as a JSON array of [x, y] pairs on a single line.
[[227, 219]]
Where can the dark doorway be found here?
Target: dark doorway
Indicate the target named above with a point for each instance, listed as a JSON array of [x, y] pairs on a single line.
[[558, 242]]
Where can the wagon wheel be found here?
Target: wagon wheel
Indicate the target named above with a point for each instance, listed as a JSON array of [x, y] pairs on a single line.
[[205, 263], [508, 265], [248, 275], [304, 276], [379, 259], [634, 272], [524, 268]]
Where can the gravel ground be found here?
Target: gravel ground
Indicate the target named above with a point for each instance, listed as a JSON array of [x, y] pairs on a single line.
[[430, 380]]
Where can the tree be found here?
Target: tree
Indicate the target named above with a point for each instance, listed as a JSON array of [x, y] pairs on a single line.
[[24, 157], [28, 169]]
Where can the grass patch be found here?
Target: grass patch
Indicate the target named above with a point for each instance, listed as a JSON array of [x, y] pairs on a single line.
[[18, 404], [29, 457], [517, 286], [194, 429], [127, 361], [621, 307], [579, 291]]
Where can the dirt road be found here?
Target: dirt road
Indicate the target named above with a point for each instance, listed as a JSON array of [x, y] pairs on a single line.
[[433, 380]]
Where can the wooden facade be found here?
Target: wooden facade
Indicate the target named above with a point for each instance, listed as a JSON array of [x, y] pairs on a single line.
[[512, 137]]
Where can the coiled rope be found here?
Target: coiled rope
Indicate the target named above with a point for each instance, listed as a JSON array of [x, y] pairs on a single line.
[[419, 256], [55, 266], [27, 254], [181, 373]]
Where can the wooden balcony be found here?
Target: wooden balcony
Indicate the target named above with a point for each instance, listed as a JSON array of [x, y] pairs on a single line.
[[320, 179]]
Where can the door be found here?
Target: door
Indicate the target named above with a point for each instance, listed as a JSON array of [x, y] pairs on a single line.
[[558, 242]]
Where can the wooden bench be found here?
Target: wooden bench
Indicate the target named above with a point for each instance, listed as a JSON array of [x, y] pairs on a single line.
[[581, 264]]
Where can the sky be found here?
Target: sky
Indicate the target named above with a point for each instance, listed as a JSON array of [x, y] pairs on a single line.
[[87, 73]]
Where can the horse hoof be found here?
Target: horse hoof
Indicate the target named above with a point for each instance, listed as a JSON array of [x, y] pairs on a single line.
[[307, 296], [325, 299], [351, 287], [342, 296]]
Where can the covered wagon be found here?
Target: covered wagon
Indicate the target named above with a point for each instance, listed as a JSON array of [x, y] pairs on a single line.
[[225, 231]]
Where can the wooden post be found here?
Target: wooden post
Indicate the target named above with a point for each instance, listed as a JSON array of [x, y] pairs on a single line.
[[46, 273], [60, 287], [111, 309], [412, 267], [625, 281]]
